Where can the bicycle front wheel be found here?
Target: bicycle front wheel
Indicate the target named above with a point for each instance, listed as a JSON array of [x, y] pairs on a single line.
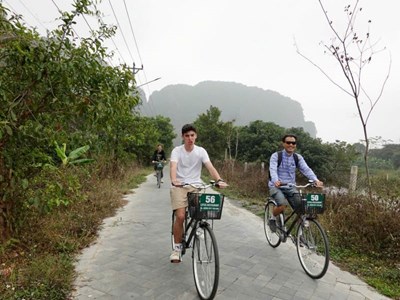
[[205, 261], [158, 179], [312, 248], [272, 234]]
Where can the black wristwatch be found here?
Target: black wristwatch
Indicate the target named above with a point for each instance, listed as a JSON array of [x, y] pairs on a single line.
[[220, 180]]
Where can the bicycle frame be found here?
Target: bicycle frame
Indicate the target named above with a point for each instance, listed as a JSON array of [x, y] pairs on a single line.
[[298, 216], [292, 225], [190, 225]]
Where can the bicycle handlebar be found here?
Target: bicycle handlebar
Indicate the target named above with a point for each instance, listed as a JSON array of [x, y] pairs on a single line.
[[198, 186], [311, 183]]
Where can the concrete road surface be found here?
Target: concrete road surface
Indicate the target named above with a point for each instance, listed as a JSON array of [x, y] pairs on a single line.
[[130, 259]]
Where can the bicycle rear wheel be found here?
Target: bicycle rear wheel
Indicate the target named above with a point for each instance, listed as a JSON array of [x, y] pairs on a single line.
[[313, 248], [271, 235], [205, 260]]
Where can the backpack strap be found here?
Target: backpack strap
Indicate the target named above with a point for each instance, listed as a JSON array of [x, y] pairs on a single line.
[[279, 158], [295, 157]]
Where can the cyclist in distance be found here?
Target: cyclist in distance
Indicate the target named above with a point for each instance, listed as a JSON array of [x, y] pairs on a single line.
[[158, 155], [282, 170], [185, 167]]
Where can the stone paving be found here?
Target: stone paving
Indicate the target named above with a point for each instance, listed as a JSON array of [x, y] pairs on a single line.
[[130, 259]]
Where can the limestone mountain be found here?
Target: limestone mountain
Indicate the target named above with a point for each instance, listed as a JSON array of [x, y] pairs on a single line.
[[183, 103]]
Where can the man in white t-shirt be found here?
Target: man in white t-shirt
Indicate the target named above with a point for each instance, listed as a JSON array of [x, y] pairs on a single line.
[[185, 167]]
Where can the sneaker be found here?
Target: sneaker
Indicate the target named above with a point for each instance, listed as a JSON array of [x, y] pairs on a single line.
[[162, 181], [272, 225], [175, 256]]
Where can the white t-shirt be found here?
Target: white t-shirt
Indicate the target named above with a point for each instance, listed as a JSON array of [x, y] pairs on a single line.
[[189, 164]]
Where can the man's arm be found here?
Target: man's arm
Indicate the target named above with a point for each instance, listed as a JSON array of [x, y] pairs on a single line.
[[214, 174], [172, 173], [273, 169], [308, 172]]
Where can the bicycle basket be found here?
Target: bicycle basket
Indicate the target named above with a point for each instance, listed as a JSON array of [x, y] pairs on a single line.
[[205, 206], [159, 166], [312, 203]]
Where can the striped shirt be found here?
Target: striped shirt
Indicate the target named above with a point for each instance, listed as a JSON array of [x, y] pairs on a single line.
[[286, 173]]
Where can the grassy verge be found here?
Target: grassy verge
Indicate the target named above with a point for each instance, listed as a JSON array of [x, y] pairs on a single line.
[[383, 275], [38, 262]]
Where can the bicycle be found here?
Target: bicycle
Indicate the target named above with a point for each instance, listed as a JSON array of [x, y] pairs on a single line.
[[159, 170], [198, 233], [310, 238]]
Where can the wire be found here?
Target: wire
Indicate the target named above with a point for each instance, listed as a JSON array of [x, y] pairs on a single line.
[[29, 11], [122, 32], [133, 34], [151, 107], [60, 11]]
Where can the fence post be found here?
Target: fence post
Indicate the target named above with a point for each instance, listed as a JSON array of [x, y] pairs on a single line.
[[262, 167], [353, 179], [245, 167]]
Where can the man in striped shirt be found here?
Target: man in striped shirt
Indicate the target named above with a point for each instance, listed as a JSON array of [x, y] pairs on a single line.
[[283, 173]]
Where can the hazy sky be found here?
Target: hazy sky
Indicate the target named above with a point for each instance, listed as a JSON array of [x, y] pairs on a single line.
[[252, 42]]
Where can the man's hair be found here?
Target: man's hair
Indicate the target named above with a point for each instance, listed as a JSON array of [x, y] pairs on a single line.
[[187, 128], [288, 135]]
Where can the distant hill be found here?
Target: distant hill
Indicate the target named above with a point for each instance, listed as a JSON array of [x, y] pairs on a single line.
[[183, 103]]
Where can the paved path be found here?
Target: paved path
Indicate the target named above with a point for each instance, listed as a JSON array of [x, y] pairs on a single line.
[[130, 259]]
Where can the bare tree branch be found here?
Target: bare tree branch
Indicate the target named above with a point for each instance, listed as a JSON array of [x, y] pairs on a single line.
[[353, 66], [322, 71]]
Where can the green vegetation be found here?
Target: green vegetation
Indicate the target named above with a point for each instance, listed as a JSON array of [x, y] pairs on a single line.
[[72, 142], [38, 262]]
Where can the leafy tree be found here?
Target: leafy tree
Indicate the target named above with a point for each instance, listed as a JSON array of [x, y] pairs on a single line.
[[56, 89], [166, 130], [386, 152], [258, 141], [396, 160], [212, 133]]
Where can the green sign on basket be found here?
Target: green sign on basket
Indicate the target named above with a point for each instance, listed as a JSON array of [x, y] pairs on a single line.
[[210, 202], [315, 200]]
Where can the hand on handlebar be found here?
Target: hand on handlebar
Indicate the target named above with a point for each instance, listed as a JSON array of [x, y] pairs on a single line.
[[221, 184], [277, 183], [318, 183], [177, 183]]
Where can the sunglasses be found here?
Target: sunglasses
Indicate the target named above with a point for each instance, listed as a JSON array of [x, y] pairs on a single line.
[[290, 143]]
